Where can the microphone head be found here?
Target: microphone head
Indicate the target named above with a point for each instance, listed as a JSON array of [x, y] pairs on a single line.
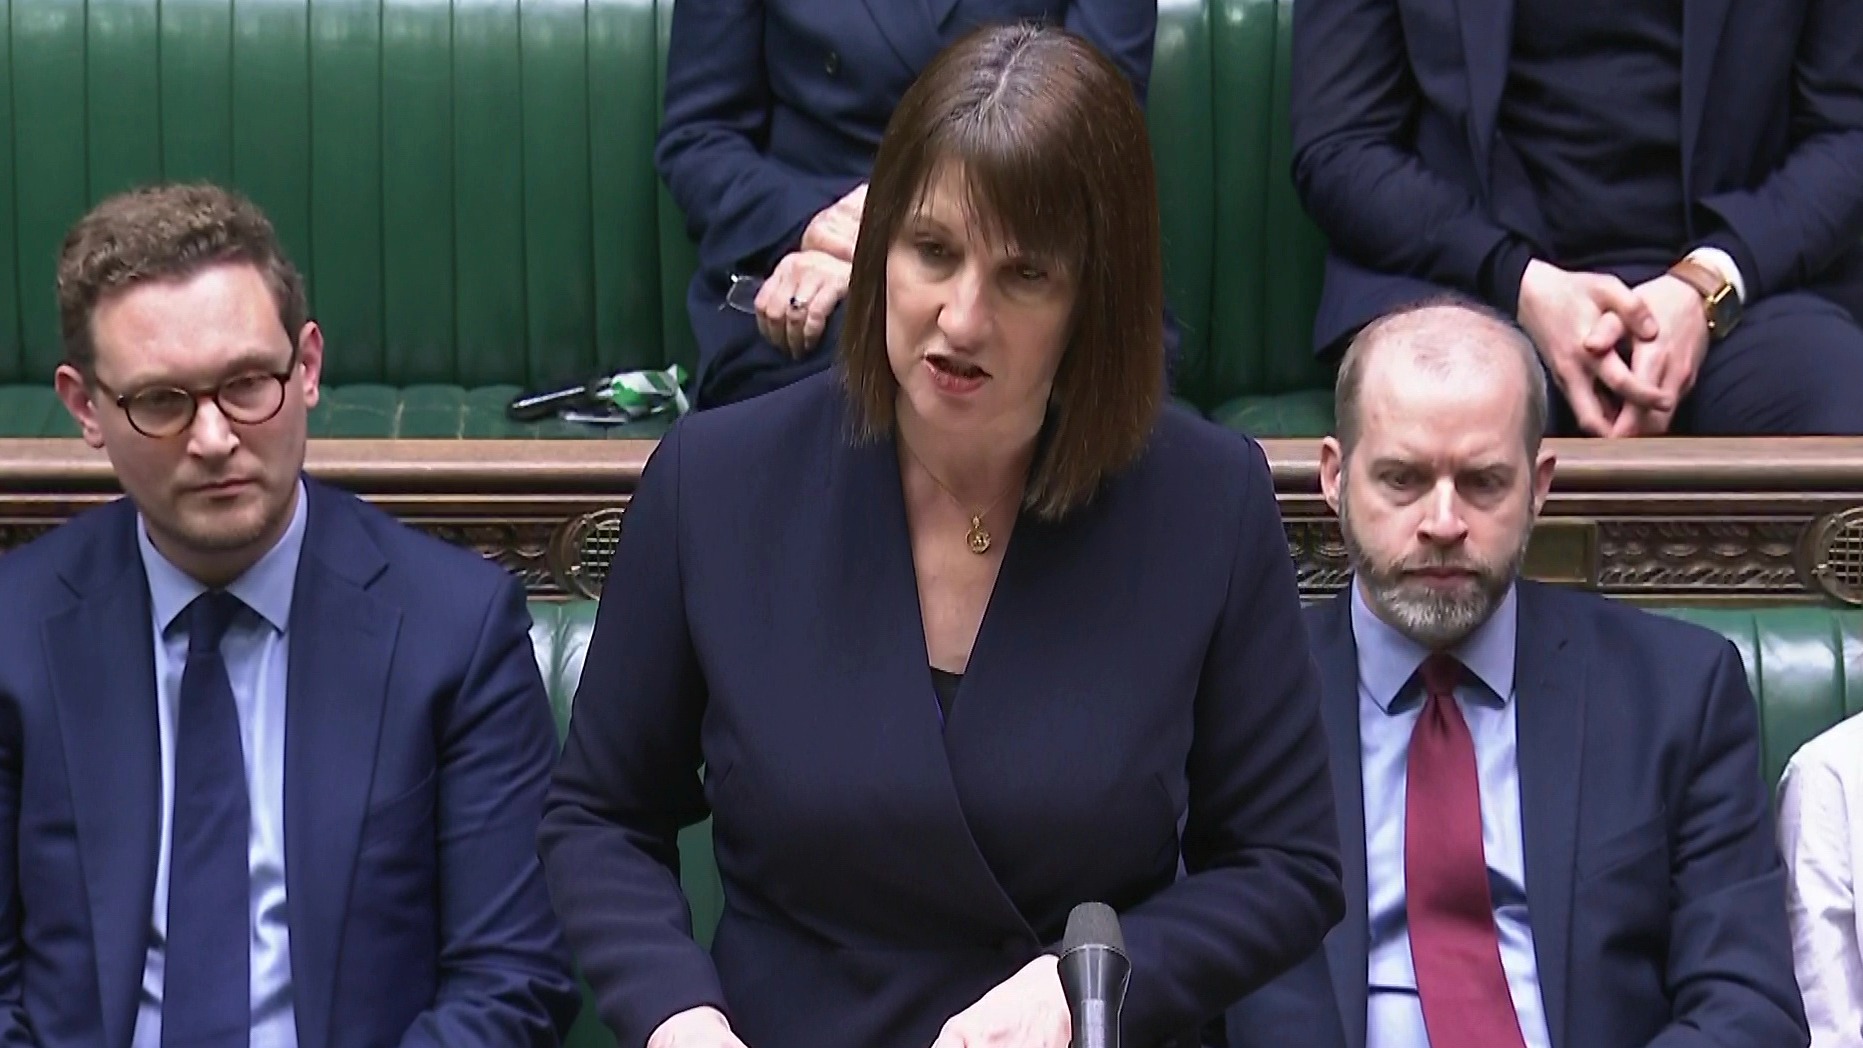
[[1093, 924]]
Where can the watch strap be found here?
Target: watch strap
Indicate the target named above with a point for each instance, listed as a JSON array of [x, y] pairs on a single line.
[[1706, 282]]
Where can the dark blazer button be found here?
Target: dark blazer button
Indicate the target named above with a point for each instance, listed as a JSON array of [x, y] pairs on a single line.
[[833, 64]]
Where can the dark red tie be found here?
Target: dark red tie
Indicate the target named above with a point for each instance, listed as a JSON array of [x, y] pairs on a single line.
[[1452, 938]]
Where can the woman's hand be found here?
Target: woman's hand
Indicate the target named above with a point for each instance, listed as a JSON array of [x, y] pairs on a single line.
[[835, 228], [1027, 1010], [703, 1027], [794, 303]]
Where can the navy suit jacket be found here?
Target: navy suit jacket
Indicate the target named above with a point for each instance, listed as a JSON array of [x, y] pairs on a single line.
[[1654, 889], [1395, 104], [418, 743], [1140, 690], [775, 108]]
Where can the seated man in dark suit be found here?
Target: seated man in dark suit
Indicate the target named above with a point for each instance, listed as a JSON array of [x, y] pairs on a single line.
[[1561, 837], [1668, 194], [271, 763]]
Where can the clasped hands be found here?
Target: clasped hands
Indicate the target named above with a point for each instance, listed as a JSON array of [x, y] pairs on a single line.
[[1578, 321], [1027, 1010], [796, 299]]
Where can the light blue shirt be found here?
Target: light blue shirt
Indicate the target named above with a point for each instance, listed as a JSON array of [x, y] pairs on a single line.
[[254, 649], [1389, 701]]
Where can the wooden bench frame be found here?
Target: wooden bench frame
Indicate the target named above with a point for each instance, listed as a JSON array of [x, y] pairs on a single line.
[[1752, 521]]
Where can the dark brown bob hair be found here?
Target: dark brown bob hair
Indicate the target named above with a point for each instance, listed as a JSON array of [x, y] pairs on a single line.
[[1056, 163], [166, 232]]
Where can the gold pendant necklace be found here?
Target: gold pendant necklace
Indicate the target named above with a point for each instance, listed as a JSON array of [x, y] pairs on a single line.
[[977, 538]]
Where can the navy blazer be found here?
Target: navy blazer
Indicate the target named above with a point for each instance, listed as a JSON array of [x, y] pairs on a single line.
[[1654, 889], [418, 743], [1395, 105], [775, 108], [1140, 691]]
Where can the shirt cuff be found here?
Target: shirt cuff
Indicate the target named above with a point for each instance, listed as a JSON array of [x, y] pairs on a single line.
[[1723, 263]]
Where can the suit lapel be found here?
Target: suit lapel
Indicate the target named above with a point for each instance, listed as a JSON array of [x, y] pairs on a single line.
[[939, 11], [910, 28], [884, 587], [1348, 947], [1487, 44], [342, 641], [1549, 732], [102, 663], [1702, 21]]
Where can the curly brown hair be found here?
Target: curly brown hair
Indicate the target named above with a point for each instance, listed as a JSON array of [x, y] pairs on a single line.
[[166, 232]]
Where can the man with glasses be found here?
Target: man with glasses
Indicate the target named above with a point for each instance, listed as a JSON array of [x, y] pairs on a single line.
[[271, 764]]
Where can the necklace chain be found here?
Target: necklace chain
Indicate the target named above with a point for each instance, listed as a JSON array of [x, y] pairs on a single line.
[[977, 537]]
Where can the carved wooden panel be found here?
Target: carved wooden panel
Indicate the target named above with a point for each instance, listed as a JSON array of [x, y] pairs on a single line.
[[1763, 520], [1743, 557]]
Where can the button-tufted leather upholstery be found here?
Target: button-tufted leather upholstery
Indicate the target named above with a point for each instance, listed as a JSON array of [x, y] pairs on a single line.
[[467, 186], [469, 189]]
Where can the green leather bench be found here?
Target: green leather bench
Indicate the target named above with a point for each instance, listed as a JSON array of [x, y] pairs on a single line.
[[469, 188], [1805, 666]]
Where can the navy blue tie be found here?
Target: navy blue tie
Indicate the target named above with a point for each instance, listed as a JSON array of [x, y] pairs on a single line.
[[206, 988]]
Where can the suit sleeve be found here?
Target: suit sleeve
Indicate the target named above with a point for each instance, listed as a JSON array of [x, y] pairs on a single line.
[[1260, 844], [1730, 954], [14, 1031], [745, 208], [1299, 1008], [628, 781], [505, 976], [1354, 104], [1817, 836], [1123, 31], [1810, 208]]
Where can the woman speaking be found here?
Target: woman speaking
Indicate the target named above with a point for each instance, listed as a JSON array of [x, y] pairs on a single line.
[[773, 111], [963, 632]]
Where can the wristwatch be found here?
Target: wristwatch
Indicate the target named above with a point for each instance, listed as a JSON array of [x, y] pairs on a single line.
[[1718, 296]]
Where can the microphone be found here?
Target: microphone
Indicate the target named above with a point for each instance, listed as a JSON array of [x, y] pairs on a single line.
[[1094, 973]]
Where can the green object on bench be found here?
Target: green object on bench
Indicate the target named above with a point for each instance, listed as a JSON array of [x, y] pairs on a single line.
[[1805, 666], [469, 190]]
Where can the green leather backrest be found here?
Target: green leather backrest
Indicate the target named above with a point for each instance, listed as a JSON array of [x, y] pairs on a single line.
[[1182, 120], [469, 188], [1268, 254], [467, 185], [1804, 664]]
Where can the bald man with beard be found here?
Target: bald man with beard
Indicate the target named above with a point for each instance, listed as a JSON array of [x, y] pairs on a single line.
[[1552, 821]]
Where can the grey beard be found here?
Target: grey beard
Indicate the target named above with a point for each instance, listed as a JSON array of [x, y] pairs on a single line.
[[1434, 620]]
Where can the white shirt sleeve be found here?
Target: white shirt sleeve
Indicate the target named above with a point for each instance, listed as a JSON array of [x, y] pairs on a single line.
[[1723, 263], [1820, 829]]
